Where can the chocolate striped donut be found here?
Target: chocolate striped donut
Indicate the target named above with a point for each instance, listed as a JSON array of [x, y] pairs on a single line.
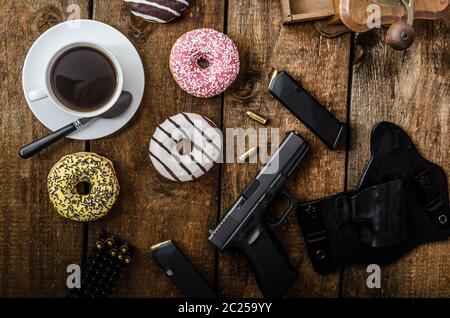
[[161, 11], [202, 142]]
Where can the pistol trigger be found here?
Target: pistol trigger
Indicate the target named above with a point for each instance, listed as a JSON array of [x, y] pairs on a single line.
[[271, 221], [293, 202]]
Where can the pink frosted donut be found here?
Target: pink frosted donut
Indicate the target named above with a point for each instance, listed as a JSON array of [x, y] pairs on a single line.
[[204, 62]]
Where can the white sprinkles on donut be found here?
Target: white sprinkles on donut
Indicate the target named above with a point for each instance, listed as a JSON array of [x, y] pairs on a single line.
[[214, 47], [200, 132]]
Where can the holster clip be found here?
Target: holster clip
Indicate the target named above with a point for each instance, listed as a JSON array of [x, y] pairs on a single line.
[[316, 234], [434, 200]]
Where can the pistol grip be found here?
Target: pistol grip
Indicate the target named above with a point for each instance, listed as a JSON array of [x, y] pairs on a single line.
[[272, 268]]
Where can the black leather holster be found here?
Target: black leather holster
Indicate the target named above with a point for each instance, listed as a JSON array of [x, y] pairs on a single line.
[[401, 202]]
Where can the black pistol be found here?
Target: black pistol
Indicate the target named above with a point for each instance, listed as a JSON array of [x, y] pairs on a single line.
[[248, 225]]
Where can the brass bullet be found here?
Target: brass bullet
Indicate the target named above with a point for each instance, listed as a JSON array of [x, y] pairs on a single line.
[[127, 260], [124, 249], [99, 245], [248, 153], [257, 117], [113, 252], [110, 241]]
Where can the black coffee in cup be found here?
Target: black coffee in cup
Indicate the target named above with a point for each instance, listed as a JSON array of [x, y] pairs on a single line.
[[83, 79]]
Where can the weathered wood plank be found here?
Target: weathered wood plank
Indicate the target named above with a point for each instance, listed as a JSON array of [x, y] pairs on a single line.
[[36, 244], [322, 65], [150, 208], [411, 89]]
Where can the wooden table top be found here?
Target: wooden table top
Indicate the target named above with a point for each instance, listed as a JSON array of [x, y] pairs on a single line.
[[411, 89]]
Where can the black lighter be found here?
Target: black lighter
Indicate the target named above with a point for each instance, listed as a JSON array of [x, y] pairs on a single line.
[[307, 109]]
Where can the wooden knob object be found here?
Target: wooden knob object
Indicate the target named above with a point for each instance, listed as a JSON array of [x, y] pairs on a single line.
[[400, 36]]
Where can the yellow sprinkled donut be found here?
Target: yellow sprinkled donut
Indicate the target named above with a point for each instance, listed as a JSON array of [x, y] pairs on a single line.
[[77, 169]]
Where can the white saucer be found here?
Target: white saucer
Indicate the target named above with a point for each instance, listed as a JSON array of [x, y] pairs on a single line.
[[82, 30]]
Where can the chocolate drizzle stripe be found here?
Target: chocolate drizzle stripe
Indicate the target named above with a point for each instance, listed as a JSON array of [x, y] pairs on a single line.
[[175, 124], [204, 153], [164, 131], [208, 120], [161, 145], [173, 4], [201, 132], [166, 167], [198, 164], [148, 17], [156, 5], [200, 149], [177, 159], [192, 157], [179, 127], [196, 128], [195, 146]]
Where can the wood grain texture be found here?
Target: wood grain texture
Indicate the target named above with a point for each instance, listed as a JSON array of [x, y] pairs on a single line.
[[152, 209], [36, 244], [322, 66], [411, 89]]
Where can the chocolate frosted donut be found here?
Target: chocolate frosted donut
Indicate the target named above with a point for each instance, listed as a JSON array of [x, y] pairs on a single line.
[[101, 186], [161, 11], [185, 147]]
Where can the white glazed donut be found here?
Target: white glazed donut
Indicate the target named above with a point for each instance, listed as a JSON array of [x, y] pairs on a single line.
[[185, 147]]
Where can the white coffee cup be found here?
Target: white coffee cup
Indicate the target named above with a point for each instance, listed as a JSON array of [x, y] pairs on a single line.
[[47, 91]]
